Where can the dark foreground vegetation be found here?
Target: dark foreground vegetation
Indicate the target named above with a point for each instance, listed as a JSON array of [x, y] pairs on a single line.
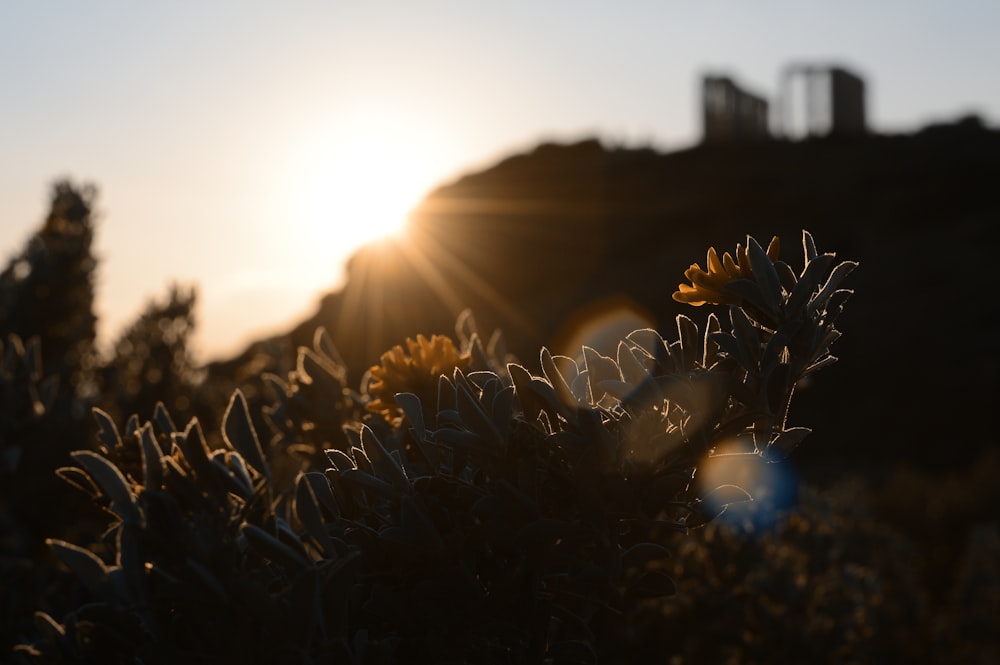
[[336, 498]]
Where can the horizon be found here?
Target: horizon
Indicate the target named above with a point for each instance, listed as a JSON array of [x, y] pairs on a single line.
[[228, 122]]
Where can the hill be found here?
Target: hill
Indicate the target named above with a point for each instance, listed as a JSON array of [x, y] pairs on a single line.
[[545, 243]]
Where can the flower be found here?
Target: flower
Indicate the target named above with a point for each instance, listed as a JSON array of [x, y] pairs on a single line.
[[710, 287], [416, 372]]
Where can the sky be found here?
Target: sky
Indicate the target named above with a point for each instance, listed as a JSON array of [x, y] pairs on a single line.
[[235, 145]]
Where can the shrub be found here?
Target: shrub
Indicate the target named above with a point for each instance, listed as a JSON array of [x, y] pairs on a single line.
[[470, 509]]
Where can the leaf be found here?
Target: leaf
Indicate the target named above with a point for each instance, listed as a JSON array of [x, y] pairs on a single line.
[[728, 344], [152, 458], [747, 336], [649, 341], [787, 275], [107, 431], [555, 377], [313, 367], [836, 277], [132, 425], [368, 482], [824, 344], [779, 388], [502, 409], [702, 513], [196, 452], [749, 291], [581, 388], [778, 342], [361, 460], [86, 565], [482, 379], [52, 632], [239, 433], [653, 584], [476, 419], [835, 306], [497, 347], [808, 246], [322, 491], [463, 441], [111, 481], [307, 510], [414, 412], [819, 364], [477, 352], [79, 479], [632, 370], [710, 350], [273, 549], [446, 398], [465, 325], [641, 554], [521, 379], [163, 419], [783, 444], [599, 368], [766, 276], [323, 343], [340, 460], [687, 334], [236, 465], [723, 495], [383, 464]]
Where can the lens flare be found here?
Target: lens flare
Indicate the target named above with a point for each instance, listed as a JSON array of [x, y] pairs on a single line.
[[773, 487]]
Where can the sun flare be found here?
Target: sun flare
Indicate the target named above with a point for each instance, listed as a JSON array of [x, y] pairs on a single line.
[[359, 181]]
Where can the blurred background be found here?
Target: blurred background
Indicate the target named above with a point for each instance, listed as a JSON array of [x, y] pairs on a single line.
[[250, 147]]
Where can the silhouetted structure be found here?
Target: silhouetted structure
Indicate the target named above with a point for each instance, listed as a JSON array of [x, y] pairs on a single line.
[[731, 113], [820, 101]]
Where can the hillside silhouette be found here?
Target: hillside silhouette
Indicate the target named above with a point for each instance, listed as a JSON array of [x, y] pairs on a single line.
[[547, 239]]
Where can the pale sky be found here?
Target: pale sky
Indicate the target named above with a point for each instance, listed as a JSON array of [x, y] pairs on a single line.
[[228, 139]]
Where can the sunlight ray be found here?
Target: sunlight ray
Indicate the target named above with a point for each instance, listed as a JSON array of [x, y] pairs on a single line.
[[427, 254]]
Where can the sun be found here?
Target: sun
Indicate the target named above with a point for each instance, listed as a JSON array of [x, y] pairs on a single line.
[[359, 179]]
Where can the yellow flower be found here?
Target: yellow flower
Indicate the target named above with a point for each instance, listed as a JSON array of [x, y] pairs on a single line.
[[416, 372], [710, 287]]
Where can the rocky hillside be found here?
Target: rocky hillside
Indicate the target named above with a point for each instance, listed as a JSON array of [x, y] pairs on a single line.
[[543, 244]]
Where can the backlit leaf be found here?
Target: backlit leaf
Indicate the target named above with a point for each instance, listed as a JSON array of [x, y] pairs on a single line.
[[107, 431], [239, 433], [86, 565]]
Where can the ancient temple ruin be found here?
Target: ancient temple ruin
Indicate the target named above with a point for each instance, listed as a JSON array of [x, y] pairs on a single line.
[[731, 113], [820, 100], [813, 100]]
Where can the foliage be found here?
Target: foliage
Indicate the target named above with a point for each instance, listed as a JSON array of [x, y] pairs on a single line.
[[47, 378], [151, 361], [490, 514], [835, 579], [824, 584], [48, 290]]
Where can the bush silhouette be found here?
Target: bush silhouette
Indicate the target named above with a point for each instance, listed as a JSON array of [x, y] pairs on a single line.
[[459, 507]]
